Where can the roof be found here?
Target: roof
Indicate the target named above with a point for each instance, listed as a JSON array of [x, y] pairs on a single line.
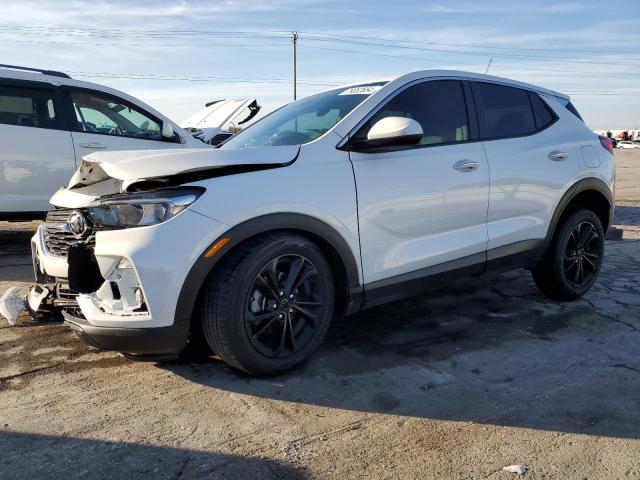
[[422, 74]]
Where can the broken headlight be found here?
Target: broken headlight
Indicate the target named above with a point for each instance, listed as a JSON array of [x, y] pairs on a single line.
[[143, 208]]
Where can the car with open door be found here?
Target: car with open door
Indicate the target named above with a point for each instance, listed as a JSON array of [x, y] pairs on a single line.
[[49, 121], [340, 201], [221, 119]]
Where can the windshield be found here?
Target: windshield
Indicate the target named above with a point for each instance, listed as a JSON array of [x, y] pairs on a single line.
[[303, 121]]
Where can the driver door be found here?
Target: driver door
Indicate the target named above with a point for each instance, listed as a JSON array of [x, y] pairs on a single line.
[[423, 208], [104, 122]]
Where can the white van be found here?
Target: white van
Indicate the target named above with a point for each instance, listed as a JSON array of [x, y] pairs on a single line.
[[49, 121]]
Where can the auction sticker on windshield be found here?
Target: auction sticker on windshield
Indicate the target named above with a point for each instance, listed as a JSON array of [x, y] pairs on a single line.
[[362, 90]]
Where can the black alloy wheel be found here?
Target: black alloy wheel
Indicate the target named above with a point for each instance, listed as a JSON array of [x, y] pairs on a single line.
[[573, 261], [268, 304], [284, 306], [582, 254]]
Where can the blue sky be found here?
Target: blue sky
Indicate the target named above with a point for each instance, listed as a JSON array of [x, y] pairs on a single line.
[[185, 53]]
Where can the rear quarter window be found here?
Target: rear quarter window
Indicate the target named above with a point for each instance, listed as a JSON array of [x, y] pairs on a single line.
[[569, 106], [503, 111], [542, 114]]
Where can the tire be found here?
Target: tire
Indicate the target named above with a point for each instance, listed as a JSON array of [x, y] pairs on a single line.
[[258, 328], [579, 244]]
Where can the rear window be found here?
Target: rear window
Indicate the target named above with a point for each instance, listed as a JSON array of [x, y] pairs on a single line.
[[569, 106], [503, 111], [27, 107], [541, 111]]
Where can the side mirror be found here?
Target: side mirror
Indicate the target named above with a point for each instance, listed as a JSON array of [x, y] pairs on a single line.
[[167, 130], [394, 132]]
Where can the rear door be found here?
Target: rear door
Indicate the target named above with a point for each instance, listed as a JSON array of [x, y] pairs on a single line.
[[36, 149], [424, 207], [531, 159], [102, 121]]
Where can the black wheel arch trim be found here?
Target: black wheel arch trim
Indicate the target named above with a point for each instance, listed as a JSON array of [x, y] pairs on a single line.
[[580, 186], [295, 222]]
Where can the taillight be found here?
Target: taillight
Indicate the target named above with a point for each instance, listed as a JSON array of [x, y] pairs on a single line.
[[606, 143]]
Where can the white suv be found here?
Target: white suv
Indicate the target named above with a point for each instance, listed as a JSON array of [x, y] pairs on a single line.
[[49, 121], [338, 202]]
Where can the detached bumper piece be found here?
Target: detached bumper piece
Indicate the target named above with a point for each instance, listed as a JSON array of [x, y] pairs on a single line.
[[151, 344]]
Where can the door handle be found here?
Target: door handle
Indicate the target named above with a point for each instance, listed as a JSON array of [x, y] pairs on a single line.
[[92, 145], [557, 155], [466, 165]]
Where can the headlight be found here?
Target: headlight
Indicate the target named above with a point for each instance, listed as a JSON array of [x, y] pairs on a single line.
[[141, 209]]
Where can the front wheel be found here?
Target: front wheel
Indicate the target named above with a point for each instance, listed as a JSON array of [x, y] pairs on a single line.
[[269, 304], [572, 264]]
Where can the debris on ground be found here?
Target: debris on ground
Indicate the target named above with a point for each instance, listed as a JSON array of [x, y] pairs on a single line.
[[11, 304], [519, 469]]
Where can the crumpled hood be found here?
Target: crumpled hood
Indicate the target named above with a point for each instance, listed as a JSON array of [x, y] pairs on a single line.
[[134, 165]]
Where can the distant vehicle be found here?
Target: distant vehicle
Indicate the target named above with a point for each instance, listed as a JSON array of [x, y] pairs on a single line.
[[627, 144], [343, 200], [220, 119], [49, 121]]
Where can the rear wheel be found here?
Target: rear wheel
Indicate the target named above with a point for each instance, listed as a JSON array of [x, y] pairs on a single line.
[[573, 262], [269, 304]]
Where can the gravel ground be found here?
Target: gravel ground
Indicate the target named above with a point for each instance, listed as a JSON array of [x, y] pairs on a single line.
[[456, 384]]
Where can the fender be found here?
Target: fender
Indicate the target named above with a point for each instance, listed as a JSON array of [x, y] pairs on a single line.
[[264, 224], [577, 188]]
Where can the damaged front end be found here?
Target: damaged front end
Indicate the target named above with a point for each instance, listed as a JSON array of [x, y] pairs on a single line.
[[64, 249], [99, 293], [113, 253]]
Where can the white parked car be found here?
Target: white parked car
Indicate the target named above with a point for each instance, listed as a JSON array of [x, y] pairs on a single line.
[[49, 121], [627, 144], [220, 119], [341, 201]]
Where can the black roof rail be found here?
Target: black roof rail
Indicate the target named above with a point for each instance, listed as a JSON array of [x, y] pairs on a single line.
[[53, 73]]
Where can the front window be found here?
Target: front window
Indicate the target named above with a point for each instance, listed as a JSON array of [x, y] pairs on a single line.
[[104, 115], [303, 121], [438, 106]]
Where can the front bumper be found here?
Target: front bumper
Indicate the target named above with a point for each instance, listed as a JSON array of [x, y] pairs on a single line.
[[160, 258], [161, 343]]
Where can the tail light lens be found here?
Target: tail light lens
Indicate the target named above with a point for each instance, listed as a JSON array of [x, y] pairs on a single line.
[[606, 143]]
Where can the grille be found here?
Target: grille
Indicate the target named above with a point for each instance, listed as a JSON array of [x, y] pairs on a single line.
[[57, 237], [64, 296]]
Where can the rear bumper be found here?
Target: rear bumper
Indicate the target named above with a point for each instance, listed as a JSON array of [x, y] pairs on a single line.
[[165, 342]]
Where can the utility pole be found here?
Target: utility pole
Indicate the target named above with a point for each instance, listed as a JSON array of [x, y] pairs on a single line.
[[294, 38]]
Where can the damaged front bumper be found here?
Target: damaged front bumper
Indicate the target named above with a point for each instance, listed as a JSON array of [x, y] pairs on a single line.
[[159, 343], [120, 291]]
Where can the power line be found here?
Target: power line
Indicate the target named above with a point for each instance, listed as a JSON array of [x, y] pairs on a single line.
[[195, 78], [147, 76], [460, 52], [515, 67], [468, 45], [145, 45], [390, 43]]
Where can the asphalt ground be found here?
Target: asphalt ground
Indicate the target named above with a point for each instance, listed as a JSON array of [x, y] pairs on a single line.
[[456, 384]]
